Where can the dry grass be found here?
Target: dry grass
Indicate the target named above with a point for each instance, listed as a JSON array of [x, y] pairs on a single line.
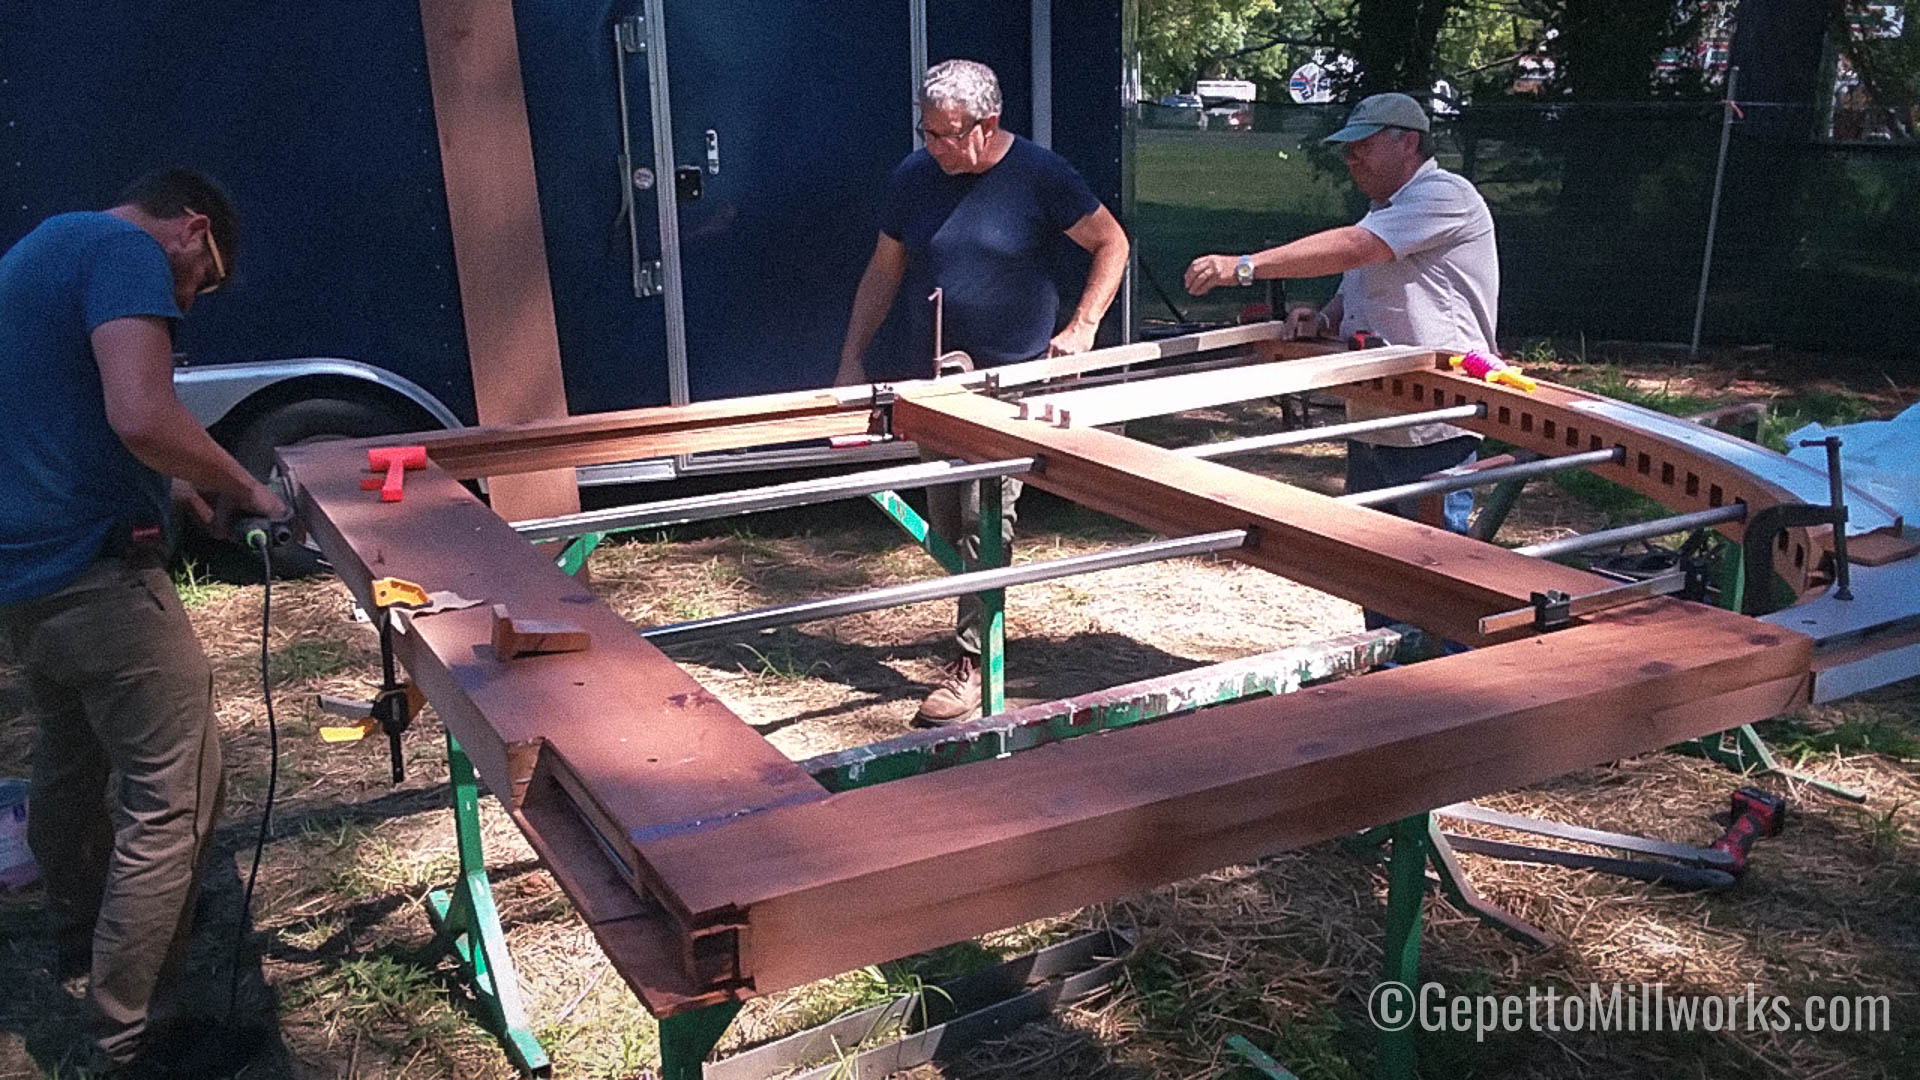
[[1283, 951]]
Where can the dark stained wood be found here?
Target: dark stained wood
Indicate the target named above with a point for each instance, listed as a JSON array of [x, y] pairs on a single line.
[[885, 871], [645, 743], [499, 245], [709, 866], [652, 432], [1416, 573]]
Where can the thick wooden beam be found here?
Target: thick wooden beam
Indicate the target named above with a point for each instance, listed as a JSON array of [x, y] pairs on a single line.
[[499, 246], [1418, 574], [637, 739], [888, 870]]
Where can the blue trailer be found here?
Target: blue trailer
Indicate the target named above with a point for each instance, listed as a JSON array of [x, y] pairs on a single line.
[[707, 174]]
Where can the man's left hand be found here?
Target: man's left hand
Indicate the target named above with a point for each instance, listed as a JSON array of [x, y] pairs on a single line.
[[1076, 338]]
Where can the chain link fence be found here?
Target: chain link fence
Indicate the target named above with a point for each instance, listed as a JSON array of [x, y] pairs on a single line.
[[1602, 214]]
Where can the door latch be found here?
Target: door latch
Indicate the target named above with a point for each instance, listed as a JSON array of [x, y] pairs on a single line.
[[687, 182]]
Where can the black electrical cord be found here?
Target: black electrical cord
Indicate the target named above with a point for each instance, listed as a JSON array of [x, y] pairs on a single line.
[[257, 538]]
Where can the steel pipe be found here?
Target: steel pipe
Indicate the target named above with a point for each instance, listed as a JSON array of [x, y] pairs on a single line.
[[1330, 432], [1442, 484], [1646, 530], [941, 588], [775, 497]]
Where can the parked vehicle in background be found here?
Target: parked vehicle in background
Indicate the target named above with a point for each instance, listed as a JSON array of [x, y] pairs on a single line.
[[1180, 110], [1226, 91], [1229, 118]]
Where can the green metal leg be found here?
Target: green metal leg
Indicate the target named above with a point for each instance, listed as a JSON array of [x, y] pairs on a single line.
[[1495, 508], [993, 623], [575, 556], [1406, 891], [993, 605], [1259, 1059], [468, 924], [916, 526], [687, 1039]]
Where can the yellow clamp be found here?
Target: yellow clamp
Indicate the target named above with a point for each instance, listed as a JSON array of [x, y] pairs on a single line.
[[349, 732], [388, 591]]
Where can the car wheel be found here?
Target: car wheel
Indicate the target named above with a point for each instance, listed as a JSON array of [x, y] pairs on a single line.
[[309, 421]]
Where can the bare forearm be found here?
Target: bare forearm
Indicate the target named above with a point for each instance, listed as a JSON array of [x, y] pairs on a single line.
[[1334, 251], [871, 301], [166, 438], [1103, 283]]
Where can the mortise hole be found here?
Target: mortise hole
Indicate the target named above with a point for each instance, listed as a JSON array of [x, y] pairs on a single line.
[[1693, 484], [1549, 429], [1666, 472], [1782, 542], [1573, 437], [1593, 442], [1419, 392], [1506, 415], [1799, 557], [1526, 421], [1644, 464], [1714, 496], [1399, 388]]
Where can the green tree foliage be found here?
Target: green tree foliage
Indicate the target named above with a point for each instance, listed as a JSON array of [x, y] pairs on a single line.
[[1183, 41]]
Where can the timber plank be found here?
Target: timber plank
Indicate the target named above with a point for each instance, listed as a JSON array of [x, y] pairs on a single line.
[[635, 733], [885, 871], [499, 245], [1158, 397], [1416, 573]]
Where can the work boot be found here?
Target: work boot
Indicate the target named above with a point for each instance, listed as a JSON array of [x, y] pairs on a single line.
[[957, 698]]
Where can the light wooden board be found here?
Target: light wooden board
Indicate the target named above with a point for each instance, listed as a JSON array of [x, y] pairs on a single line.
[[499, 246]]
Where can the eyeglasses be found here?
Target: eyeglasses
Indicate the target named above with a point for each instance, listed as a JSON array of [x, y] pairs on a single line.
[[952, 139], [219, 264]]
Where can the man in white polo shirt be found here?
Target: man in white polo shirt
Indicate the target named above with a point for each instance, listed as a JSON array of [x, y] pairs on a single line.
[[1419, 269]]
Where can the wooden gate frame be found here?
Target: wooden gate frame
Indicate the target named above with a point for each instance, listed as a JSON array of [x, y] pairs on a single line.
[[711, 867]]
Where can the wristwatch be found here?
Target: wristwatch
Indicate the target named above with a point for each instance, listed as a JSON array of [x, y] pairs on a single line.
[[1243, 270]]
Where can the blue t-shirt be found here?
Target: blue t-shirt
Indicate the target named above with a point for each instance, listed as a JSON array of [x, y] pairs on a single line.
[[988, 241], [67, 482]]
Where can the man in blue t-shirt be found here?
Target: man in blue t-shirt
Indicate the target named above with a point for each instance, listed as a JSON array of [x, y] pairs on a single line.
[[98, 450], [978, 213]]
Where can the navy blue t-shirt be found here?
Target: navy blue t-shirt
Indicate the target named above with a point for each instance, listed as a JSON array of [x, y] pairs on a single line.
[[988, 241], [67, 482]]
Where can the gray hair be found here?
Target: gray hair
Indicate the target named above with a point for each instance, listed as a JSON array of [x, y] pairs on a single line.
[[968, 84]]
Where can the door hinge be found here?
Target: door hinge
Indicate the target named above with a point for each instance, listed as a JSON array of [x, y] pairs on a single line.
[[649, 279], [631, 33]]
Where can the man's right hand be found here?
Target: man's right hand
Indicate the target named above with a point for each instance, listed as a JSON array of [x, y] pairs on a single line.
[[1210, 272]]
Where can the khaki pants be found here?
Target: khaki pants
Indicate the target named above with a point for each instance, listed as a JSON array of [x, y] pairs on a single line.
[[126, 780], [953, 511]]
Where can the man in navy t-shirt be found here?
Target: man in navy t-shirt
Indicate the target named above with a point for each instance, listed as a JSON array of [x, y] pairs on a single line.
[[97, 450], [978, 214]]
